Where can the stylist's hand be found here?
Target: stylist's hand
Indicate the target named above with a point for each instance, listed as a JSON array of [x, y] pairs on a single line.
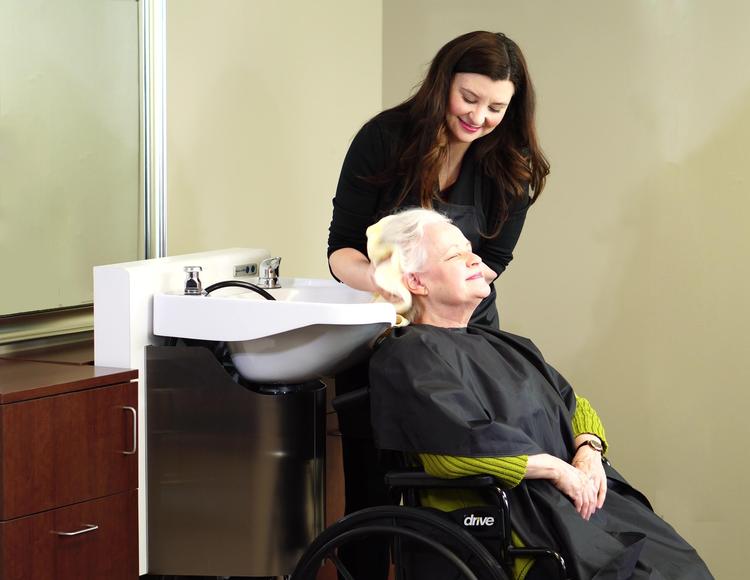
[[577, 485], [589, 461], [386, 295]]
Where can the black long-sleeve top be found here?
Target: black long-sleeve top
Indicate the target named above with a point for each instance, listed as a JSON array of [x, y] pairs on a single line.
[[470, 202]]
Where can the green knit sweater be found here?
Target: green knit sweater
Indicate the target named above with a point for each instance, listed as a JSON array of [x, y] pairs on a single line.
[[508, 470]]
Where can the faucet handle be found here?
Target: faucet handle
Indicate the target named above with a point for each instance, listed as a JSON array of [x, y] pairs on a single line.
[[193, 286], [268, 272]]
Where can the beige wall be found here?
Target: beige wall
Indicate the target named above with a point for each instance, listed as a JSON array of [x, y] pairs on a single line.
[[632, 272], [263, 100]]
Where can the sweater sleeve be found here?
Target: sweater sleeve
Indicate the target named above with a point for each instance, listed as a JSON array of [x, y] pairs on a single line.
[[497, 252], [356, 202], [508, 470], [586, 420]]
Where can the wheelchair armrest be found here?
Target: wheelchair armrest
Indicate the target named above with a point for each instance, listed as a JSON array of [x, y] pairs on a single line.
[[420, 479]]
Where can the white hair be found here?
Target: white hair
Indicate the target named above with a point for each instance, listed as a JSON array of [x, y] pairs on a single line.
[[395, 245], [404, 231]]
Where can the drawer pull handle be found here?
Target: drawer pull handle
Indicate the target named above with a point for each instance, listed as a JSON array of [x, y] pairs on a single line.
[[134, 450], [85, 530]]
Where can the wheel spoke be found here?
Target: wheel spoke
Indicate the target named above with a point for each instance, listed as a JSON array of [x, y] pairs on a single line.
[[340, 568]]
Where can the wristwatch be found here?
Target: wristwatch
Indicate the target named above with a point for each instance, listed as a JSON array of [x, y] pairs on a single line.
[[595, 444]]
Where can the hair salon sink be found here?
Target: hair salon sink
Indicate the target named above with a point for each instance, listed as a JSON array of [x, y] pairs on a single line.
[[314, 328]]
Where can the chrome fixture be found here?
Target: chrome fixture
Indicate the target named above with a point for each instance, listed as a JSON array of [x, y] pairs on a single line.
[[153, 76], [268, 275], [193, 286], [236, 471], [246, 270]]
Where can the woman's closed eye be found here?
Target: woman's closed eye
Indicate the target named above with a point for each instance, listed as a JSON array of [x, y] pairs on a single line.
[[492, 109]]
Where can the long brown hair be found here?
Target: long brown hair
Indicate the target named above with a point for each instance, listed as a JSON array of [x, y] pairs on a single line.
[[510, 155]]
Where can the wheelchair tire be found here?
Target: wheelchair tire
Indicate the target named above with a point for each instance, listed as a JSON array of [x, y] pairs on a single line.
[[421, 527]]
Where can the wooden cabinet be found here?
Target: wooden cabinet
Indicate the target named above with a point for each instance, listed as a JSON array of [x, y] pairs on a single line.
[[334, 477], [334, 462], [93, 539], [69, 472]]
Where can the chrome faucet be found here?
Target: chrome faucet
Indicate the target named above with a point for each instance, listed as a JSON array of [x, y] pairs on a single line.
[[268, 273], [193, 286]]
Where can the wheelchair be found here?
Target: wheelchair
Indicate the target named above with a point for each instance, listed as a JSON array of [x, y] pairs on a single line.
[[424, 543]]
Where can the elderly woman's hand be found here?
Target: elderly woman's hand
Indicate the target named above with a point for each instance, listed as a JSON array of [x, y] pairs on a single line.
[[589, 461], [577, 485], [570, 480]]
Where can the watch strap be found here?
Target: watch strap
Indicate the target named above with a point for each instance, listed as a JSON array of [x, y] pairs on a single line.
[[593, 443]]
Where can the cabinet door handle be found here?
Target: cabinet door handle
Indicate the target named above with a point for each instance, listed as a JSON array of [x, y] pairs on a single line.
[[134, 450], [84, 530]]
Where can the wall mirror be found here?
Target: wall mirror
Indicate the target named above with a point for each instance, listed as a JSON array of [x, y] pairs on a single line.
[[70, 184]]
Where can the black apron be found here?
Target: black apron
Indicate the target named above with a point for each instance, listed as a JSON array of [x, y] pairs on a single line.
[[466, 198]]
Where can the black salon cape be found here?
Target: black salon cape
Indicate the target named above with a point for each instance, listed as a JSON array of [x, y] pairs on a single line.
[[478, 392]]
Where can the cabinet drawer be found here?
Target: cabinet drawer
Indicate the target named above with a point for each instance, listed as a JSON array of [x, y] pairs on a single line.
[[34, 549], [67, 448]]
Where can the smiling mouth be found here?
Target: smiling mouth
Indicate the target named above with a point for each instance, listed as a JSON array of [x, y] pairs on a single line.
[[467, 127], [475, 276]]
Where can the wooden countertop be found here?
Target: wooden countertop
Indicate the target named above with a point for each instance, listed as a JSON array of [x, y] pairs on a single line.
[[22, 380]]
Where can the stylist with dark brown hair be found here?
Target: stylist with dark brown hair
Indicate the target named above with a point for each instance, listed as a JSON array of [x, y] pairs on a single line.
[[466, 145]]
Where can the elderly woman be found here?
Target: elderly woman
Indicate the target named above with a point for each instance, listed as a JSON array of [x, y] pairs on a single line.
[[467, 399]]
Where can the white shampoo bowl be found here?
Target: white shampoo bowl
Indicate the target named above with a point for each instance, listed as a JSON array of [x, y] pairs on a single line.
[[314, 328]]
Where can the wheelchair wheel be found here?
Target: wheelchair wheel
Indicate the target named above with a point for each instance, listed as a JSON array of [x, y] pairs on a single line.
[[453, 549]]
